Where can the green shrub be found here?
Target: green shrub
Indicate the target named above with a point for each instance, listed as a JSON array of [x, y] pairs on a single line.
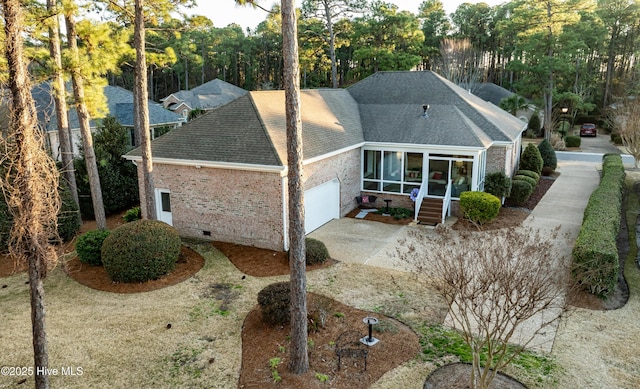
[[520, 191], [497, 184], [140, 251], [479, 207], [548, 155], [616, 138], [316, 253], [118, 177], [274, 302], [534, 124], [89, 247], [530, 180], [595, 254], [529, 173], [132, 214], [531, 159], [572, 141]]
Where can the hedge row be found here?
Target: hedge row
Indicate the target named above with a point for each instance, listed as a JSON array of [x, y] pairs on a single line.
[[595, 255]]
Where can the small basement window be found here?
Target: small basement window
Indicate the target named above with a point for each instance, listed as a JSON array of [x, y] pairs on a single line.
[[206, 233]]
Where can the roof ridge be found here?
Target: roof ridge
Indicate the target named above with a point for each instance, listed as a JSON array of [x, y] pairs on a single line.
[[264, 128]]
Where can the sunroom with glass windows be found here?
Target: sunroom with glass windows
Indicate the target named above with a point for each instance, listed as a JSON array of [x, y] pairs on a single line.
[[396, 170]]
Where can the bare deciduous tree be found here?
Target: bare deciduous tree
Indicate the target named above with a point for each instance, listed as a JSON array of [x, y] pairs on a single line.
[[500, 288], [29, 183], [626, 121], [460, 63]]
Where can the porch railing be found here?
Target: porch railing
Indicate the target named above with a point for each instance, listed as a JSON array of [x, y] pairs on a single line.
[[446, 202], [421, 193]]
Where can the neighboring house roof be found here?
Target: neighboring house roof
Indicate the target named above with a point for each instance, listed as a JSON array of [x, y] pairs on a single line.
[[251, 130], [119, 105], [209, 95], [391, 111], [491, 92]]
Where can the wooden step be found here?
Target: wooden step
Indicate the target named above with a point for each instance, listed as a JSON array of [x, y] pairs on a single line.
[[430, 211]]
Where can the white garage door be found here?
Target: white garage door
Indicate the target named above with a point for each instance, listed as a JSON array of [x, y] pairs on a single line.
[[321, 204]]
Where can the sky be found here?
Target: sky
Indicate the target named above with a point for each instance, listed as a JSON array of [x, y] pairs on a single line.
[[225, 12]]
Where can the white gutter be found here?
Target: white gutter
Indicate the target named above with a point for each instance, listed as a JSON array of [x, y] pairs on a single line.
[[210, 164], [412, 146], [332, 154]]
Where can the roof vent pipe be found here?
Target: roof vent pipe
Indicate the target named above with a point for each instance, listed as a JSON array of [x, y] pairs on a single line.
[[425, 108]]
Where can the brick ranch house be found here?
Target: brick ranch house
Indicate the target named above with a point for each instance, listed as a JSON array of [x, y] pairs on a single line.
[[223, 177]]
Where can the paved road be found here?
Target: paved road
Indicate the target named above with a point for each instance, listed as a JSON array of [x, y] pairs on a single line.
[[592, 149]]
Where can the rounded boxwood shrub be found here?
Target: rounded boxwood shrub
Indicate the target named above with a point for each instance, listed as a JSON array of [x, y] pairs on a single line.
[[479, 207], [140, 251], [531, 159], [498, 184], [529, 173], [572, 141], [89, 247], [530, 180], [520, 191], [316, 253], [132, 214], [616, 138], [548, 155], [274, 302]]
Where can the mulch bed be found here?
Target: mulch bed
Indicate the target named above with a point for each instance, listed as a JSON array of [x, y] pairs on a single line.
[[372, 216], [456, 376], [95, 277], [258, 262], [261, 342]]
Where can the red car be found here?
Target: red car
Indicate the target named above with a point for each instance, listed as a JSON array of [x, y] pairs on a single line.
[[588, 129]]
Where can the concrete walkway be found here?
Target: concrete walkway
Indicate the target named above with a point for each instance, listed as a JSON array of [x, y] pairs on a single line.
[[375, 244]]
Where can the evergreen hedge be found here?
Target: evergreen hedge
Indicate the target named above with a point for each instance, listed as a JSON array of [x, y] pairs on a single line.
[[595, 254]]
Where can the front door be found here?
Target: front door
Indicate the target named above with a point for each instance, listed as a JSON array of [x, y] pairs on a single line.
[[163, 205]]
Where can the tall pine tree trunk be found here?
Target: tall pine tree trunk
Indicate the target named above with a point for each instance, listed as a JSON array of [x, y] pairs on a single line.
[[141, 112], [332, 44], [85, 126], [299, 359], [31, 192], [64, 133]]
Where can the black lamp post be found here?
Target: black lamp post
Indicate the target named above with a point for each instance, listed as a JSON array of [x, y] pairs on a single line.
[[563, 130]]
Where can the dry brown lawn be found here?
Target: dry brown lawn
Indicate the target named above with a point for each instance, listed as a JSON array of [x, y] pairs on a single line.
[[124, 340]]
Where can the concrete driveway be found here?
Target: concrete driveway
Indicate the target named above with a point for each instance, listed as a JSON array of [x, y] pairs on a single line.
[[362, 241]]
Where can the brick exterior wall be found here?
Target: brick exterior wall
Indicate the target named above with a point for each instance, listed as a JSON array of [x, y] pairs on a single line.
[[346, 168], [496, 159], [237, 206]]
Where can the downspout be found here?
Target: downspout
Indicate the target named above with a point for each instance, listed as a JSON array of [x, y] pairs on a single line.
[[285, 234]]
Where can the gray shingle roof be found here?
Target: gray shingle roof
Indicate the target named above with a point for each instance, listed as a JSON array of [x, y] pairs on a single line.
[[391, 108], [209, 95], [251, 129], [491, 92], [330, 120], [232, 133], [119, 105]]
